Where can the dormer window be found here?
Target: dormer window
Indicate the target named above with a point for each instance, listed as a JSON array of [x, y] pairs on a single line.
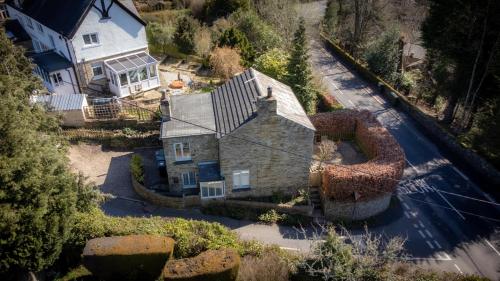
[[91, 39]]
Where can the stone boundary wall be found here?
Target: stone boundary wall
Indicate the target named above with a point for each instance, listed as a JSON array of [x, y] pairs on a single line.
[[352, 211], [462, 157], [282, 208], [165, 201], [366, 181]]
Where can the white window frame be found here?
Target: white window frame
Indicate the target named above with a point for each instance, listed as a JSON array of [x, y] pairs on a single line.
[[95, 66], [56, 78], [191, 175], [181, 146], [239, 176], [206, 187], [92, 43]]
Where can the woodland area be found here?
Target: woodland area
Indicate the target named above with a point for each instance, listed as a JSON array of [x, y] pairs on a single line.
[[458, 81], [227, 36]]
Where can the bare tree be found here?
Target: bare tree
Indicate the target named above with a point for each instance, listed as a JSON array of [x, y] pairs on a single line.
[[225, 62], [203, 42], [325, 153]]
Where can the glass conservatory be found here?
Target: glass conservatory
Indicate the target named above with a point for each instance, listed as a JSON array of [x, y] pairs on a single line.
[[132, 74]]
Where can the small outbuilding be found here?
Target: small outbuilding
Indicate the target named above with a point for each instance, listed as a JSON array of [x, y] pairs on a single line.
[[70, 106]]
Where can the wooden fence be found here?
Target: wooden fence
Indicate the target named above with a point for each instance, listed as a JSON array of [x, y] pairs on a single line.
[[114, 111]]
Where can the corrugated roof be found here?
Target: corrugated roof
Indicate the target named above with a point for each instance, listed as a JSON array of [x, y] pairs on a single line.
[[195, 109], [65, 16], [64, 102], [51, 61], [235, 102]]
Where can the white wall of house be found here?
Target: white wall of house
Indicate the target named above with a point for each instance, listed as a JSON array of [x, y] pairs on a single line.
[[64, 83], [119, 34], [42, 35]]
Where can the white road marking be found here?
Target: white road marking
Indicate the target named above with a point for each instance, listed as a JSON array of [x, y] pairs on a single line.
[[421, 224], [290, 249], [350, 101], [491, 245], [378, 99], [445, 258], [429, 244], [460, 173], [407, 215], [406, 206], [421, 234], [458, 268], [415, 226], [437, 244], [448, 202], [428, 233]]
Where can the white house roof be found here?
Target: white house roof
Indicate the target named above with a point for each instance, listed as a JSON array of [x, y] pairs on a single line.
[[65, 102], [129, 62]]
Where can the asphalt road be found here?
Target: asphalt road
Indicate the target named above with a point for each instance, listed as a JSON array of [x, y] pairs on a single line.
[[449, 222]]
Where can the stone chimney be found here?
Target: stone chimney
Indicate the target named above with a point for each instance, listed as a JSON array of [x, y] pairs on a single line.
[[165, 107], [269, 92], [267, 104]]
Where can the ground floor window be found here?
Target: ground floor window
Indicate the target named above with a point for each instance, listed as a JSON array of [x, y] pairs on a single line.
[[97, 70], [212, 189], [241, 179], [123, 79], [189, 180]]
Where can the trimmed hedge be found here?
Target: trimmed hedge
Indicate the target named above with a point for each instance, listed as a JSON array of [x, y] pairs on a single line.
[[212, 265], [191, 237], [137, 168], [365, 181], [133, 257]]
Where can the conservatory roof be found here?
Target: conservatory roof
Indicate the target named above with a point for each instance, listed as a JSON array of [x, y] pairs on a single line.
[[130, 62]]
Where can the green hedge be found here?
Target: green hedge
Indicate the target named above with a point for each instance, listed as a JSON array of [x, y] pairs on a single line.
[[191, 237], [137, 168]]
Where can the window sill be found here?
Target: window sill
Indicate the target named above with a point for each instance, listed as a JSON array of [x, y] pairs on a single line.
[[183, 162], [90, 46], [242, 189]]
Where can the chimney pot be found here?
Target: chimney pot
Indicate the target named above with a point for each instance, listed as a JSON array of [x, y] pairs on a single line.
[[269, 92]]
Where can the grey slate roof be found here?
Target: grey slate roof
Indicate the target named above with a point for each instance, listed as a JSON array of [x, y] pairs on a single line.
[[235, 101], [230, 106], [195, 109], [65, 16], [51, 61], [64, 102]]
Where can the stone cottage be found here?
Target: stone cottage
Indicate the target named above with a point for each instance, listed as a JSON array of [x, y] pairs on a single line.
[[249, 137]]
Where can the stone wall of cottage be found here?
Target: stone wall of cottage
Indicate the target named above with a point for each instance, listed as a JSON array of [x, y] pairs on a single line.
[[271, 170], [203, 148]]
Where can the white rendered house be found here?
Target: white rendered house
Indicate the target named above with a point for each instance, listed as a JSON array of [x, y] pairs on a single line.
[[88, 46]]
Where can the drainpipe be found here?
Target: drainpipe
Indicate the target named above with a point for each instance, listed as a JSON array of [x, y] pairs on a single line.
[[73, 65], [72, 83]]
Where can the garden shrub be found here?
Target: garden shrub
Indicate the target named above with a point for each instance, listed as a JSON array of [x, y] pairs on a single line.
[[212, 265], [137, 168], [132, 257], [271, 266], [271, 216], [327, 103], [191, 237]]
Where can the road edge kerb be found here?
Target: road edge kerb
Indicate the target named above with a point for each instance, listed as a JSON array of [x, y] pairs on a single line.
[[475, 165]]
